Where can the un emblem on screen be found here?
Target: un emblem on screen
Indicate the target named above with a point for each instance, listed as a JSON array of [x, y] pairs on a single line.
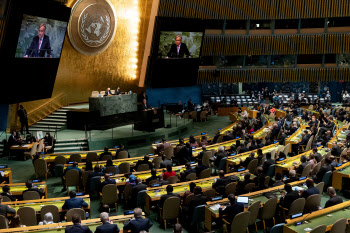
[[92, 26]]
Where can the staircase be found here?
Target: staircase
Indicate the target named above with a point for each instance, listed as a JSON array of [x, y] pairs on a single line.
[[71, 145], [56, 121]]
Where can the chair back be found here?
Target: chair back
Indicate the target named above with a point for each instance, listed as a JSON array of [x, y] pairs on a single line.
[[110, 169], [320, 187], [230, 188], [123, 154], [172, 180], [254, 211], [262, 160], [27, 216], [249, 187], [141, 199], [205, 173], [169, 152], [75, 158], [72, 178], [31, 195], [209, 193], [339, 226], [222, 165], [171, 208], [296, 207], [312, 203], [53, 210], [188, 199], [143, 167], [273, 154], [309, 143], [3, 222], [34, 149], [191, 176], [198, 215], [206, 156], [74, 211], [41, 146], [240, 222], [327, 178], [319, 229], [286, 149], [269, 209], [306, 171], [157, 162], [127, 192], [315, 169], [106, 157], [252, 166], [40, 167], [91, 157], [220, 139], [278, 228], [203, 115], [186, 115], [6, 199], [271, 170], [84, 177], [60, 160], [94, 93], [267, 180], [194, 115], [124, 168], [109, 194], [152, 182]]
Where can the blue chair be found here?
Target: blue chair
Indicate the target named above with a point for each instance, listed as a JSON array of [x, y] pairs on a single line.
[[327, 178], [95, 184], [198, 217], [141, 199], [222, 165], [278, 228], [271, 171]]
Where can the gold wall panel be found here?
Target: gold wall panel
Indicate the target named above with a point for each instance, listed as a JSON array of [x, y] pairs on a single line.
[[78, 75], [276, 44], [274, 75], [254, 9]]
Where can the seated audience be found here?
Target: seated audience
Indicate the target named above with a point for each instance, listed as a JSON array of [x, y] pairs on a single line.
[[200, 167], [169, 172], [153, 176], [288, 197], [144, 161], [161, 180], [292, 177], [107, 226], [325, 168], [48, 219], [198, 200], [333, 198], [5, 209], [220, 183], [303, 163], [29, 185], [107, 180], [105, 152], [177, 228], [232, 209], [136, 189], [310, 189], [74, 202], [77, 227], [169, 190], [7, 193], [138, 223], [16, 222], [278, 180], [268, 162]]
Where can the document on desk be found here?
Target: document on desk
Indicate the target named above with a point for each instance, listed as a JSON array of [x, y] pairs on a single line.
[[298, 189], [26, 146], [215, 207]]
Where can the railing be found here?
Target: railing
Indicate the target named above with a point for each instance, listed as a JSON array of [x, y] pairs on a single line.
[[46, 109]]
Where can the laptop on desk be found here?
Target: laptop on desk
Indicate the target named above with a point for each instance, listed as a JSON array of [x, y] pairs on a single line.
[[243, 200]]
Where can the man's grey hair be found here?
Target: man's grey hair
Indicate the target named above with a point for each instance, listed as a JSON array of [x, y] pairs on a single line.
[[292, 173], [104, 217], [42, 25], [221, 149], [137, 212], [178, 36], [331, 190]]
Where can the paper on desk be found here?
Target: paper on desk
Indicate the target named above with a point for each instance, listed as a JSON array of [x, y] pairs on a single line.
[[215, 207], [15, 145], [2, 173], [298, 189], [25, 145]]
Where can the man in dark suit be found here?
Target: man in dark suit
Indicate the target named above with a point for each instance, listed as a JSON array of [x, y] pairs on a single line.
[[105, 152], [74, 202], [153, 176], [311, 190], [317, 155], [200, 167], [220, 183], [5, 209], [287, 198], [29, 185], [136, 189], [40, 44], [198, 200], [178, 49], [333, 198], [325, 168], [248, 159], [117, 92], [77, 227], [12, 139], [292, 177], [169, 190], [231, 210], [138, 223], [189, 169], [7, 193], [336, 150], [107, 226], [22, 114], [144, 161], [108, 92], [220, 155], [326, 125], [108, 180], [303, 164], [144, 105], [268, 162]]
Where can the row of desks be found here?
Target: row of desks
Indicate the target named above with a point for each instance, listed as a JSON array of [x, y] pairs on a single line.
[[17, 189], [212, 211]]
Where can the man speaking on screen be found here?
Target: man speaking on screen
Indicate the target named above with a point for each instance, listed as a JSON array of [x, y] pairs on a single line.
[[178, 49], [40, 44]]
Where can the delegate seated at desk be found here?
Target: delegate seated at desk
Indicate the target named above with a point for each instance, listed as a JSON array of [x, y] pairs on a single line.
[[74, 202], [145, 106], [178, 50]]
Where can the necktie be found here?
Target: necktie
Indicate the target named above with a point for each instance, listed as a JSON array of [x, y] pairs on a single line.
[[178, 48], [40, 43]]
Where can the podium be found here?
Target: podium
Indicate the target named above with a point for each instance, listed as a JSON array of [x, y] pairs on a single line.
[[150, 120]]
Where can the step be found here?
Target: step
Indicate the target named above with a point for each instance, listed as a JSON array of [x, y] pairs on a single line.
[[51, 119], [51, 130], [63, 110], [50, 123], [63, 117], [69, 144], [71, 149], [59, 114], [72, 140]]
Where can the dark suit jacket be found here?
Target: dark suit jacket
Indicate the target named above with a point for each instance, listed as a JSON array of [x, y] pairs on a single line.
[[309, 192], [301, 168], [183, 50], [287, 201], [138, 224], [77, 228], [107, 228], [144, 107], [290, 180], [135, 190], [4, 209], [45, 48], [40, 191], [198, 200], [13, 198], [333, 201], [336, 151], [166, 196], [267, 164], [108, 93], [74, 202], [150, 165], [11, 141], [318, 157], [231, 211], [219, 157], [247, 161], [110, 181], [325, 168]]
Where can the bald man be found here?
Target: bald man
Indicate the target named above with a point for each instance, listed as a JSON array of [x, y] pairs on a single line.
[[333, 198]]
